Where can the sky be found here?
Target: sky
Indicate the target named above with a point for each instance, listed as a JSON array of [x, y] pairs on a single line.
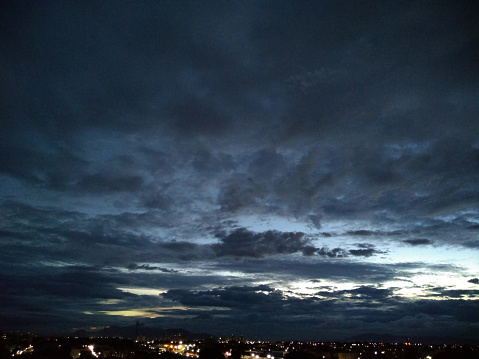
[[274, 169]]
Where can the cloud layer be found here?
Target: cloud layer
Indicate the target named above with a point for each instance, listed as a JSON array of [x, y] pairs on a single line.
[[230, 167]]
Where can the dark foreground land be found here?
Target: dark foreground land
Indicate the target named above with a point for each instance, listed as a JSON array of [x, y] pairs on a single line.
[[19, 345]]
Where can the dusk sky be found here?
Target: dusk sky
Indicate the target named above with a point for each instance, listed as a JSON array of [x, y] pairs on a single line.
[[276, 169]]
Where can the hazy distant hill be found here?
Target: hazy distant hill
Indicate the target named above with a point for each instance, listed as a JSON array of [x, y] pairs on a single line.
[[151, 332]]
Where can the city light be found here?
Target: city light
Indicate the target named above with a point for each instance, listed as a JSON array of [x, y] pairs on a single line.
[[93, 351]]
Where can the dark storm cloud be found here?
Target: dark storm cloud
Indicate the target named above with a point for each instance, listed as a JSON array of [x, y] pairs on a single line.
[[64, 282], [42, 292], [100, 183], [363, 252], [67, 235], [121, 69], [364, 305], [309, 250], [370, 292], [134, 135], [301, 188], [333, 253], [78, 283], [147, 267], [103, 240], [456, 308], [474, 280], [244, 243], [362, 232], [458, 293], [260, 297], [418, 241], [19, 212], [309, 268], [472, 244], [49, 167]]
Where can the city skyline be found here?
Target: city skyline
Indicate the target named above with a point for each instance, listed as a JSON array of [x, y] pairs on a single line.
[[275, 169]]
